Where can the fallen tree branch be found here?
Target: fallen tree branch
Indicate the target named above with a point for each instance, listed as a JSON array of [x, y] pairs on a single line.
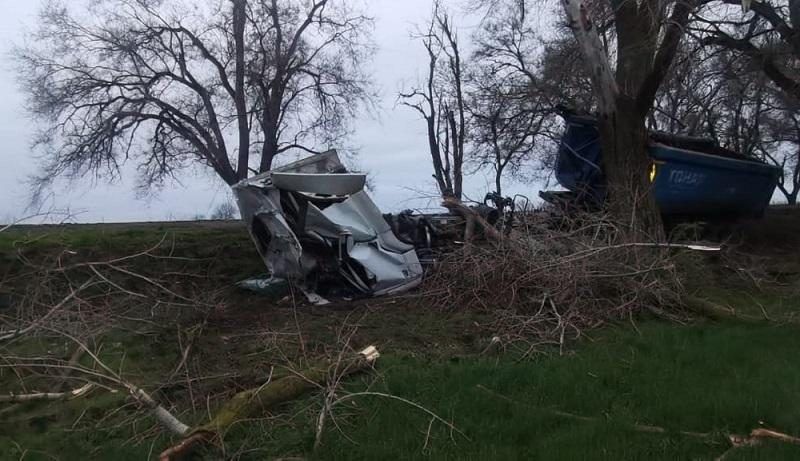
[[167, 419], [716, 311], [22, 331], [471, 217], [254, 401], [38, 396], [434, 416], [635, 426], [756, 436], [162, 415]]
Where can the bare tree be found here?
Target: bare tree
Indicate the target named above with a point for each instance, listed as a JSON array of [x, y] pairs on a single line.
[[226, 211], [769, 38], [510, 107], [784, 136], [503, 134], [441, 102], [167, 84], [768, 105]]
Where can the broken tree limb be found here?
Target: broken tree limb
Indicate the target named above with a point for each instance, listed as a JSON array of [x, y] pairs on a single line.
[[38, 396], [5, 336], [563, 414], [756, 436], [718, 312], [471, 217], [258, 400], [162, 415], [594, 54]]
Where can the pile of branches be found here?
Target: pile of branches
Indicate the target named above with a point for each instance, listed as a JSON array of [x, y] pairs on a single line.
[[551, 280]]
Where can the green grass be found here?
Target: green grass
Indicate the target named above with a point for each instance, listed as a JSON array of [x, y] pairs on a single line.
[[706, 378], [719, 378], [716, 378]]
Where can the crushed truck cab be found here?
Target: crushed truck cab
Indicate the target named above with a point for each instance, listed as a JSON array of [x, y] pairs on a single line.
[[315, 226]]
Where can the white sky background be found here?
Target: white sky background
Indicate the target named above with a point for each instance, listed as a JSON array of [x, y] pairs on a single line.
[[393, 146]]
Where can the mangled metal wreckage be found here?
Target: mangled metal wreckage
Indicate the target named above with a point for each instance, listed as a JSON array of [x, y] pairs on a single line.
[[315, 226]]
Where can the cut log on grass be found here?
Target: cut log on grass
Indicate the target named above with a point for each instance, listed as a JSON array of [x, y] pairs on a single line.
[[256, 401]]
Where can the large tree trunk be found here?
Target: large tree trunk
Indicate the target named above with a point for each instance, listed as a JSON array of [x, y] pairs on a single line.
[[624, 139], [624, 99]]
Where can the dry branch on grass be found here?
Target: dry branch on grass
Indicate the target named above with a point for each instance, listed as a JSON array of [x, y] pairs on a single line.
[[757, 437], [84, 297], [256, 401], [754, 438], [68, 299], [72, 300], [38, 396], [546, 284]]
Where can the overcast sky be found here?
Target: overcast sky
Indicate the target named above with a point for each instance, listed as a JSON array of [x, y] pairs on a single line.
[[393, 147]]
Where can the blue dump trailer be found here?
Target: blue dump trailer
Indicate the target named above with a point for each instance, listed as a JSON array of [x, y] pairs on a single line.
[[693, 178]]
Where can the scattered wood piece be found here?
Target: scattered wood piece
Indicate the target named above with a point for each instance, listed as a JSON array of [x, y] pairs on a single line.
[[74, 360], [38, 396], [162, 415], [716, 311], [756, 436], [471, 217], [635, 426], [184, 447], [6, 336], [255, 401]]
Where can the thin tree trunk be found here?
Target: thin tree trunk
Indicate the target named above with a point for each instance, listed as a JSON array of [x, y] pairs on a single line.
[[269, 151], [239, 20]]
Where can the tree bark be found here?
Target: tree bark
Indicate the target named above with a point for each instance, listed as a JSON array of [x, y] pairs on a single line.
[[239, 20], [624, 141], [498, 183], [270, 148]]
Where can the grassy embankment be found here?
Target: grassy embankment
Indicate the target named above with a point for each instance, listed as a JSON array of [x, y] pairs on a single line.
[[711, 377]]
